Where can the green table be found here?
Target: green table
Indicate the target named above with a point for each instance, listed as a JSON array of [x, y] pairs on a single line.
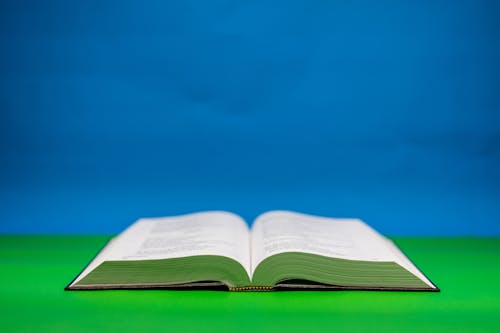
[[35, 269]]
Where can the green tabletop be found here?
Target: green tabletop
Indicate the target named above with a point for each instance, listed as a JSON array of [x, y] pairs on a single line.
[[35, 269]]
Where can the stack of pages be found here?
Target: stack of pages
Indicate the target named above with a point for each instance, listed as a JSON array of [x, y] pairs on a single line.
[[282, 250]]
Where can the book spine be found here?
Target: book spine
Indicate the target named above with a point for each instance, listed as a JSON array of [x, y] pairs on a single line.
[[251, 288]]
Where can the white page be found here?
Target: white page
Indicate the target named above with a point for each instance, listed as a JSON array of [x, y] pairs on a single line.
[[207, 233], [282, 231]]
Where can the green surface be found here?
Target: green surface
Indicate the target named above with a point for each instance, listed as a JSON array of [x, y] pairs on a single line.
[[35, 269]]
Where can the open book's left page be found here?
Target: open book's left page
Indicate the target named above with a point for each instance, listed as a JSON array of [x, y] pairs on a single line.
[[201, 234]]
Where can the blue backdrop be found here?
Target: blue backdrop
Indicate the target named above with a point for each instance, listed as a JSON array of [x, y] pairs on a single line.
[[384, 110]]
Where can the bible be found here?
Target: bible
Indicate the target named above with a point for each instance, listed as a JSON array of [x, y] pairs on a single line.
[[282, 250]]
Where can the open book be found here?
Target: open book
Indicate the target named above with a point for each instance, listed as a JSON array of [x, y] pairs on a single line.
[[282, 250]]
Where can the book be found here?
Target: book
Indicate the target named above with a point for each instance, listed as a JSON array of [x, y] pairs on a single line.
[[282, 250]]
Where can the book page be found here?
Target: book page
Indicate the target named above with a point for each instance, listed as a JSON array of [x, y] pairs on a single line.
[[207, 233], [282, 231]]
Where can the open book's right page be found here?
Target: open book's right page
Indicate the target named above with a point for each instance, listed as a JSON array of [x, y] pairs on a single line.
[[283, 231]]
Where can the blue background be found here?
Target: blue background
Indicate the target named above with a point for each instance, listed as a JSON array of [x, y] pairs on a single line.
[[384, 110]]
